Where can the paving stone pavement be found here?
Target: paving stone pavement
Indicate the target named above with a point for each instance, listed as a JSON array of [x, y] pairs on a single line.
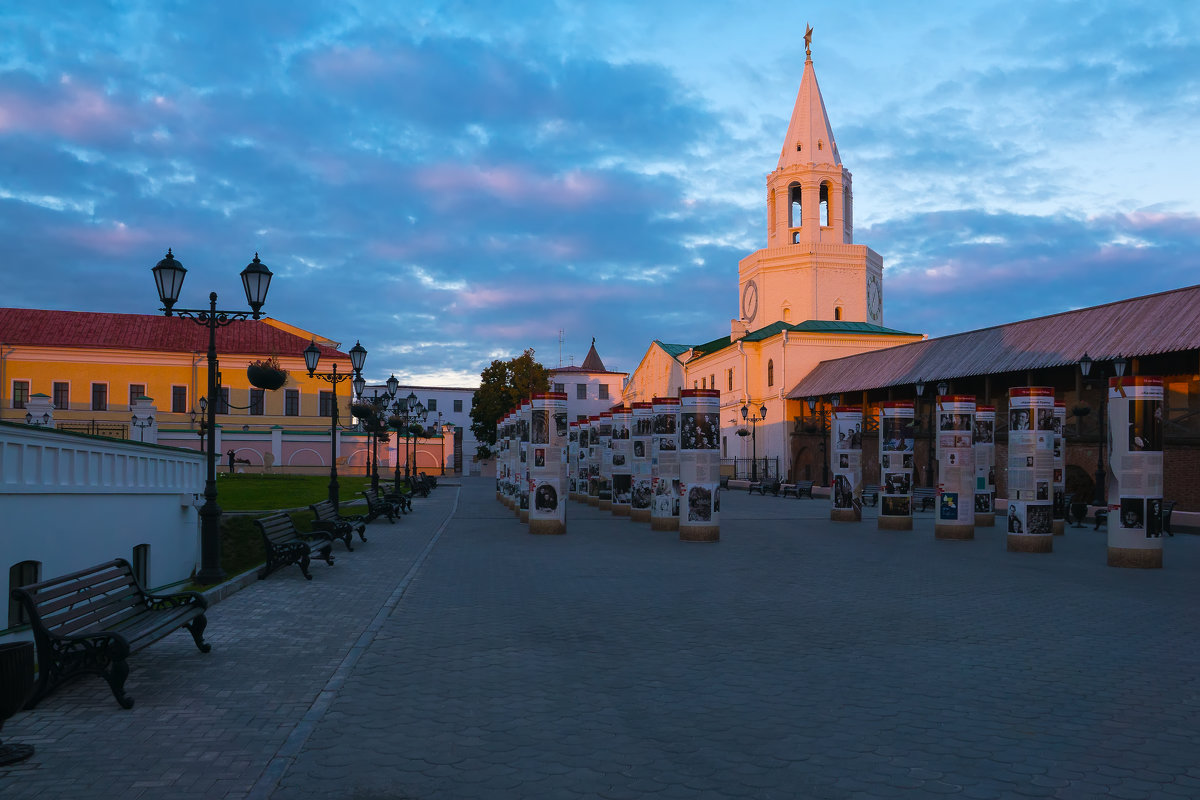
[[796, 658]]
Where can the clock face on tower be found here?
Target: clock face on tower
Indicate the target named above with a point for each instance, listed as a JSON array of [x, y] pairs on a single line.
[[750, 301], [874, 299]]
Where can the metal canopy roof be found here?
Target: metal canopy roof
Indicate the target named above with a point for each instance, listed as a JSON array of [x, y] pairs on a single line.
[[1157, 323]]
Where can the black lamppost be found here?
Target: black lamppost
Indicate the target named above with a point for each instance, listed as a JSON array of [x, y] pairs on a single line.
[[942, 388], [312, 355], [256, 279], [1085, 367], [753, 420], [825, 421]]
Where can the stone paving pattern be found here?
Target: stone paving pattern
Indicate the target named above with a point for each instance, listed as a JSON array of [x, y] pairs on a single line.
[[796, 658]]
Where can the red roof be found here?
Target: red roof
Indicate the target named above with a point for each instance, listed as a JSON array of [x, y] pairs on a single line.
[[34, 327]]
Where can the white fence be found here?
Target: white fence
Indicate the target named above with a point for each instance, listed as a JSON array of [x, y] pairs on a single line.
[[68, 501]]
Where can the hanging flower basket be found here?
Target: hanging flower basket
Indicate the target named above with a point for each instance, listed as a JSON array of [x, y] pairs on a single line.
[[364, 411], [266, 374], [743, 432]]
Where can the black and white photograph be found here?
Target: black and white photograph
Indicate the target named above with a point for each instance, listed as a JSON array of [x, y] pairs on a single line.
[[604, 430], [541, 426], [848, 435], [1015, 523], [1045, 419], [895, 506], [1154, 518], [666, 443], [622, 489], [546, 498], [1043, 490], [843, 461], [641, 493], [885, 461], [618, 459], [639, 448], [843, 493], [699, 431], [664, 424], [1145, 425], [643, 426], [620, 431], [583, 437], [984, 431], [1018, 420], [1133, 513], [573, 436], [560, 423], [1039, 519], [897, 433], [699, 504], [897, 483], [954, 422], [539, 457], [983, 503], [908, 461]]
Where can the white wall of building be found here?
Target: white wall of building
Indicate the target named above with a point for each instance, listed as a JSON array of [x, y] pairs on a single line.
[[454, 404]]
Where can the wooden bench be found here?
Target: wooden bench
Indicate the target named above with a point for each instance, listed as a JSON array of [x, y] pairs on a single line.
[[89, 622], [378, 507], [326, 518], [762, 487], [285, 544], [429, 480], [927, 497], [798, 489], [401, 497], [870, 494]]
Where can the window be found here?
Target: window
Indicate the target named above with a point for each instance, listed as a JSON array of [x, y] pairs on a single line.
[[179, 403], [824, 205], [21, 574], [795, 209], [20, 394], [458, 403], [257, 402], [729, 376], [431, 405], [581, 391], [603, 391], [695, 384], [837, 312], [141, 564], [62, 395], [99, 397], [136, 391], [712, 381], [291, 402], [558, 387], [325, 404], [223, 401], [770, 372], [704, 383]]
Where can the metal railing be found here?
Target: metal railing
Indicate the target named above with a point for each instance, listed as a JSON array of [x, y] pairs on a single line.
[[112, 430], [742, 468]]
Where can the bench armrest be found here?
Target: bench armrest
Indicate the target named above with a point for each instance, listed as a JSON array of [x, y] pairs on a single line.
[[158, 602]]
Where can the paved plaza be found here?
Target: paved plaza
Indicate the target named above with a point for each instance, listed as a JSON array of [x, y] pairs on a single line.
[[454, 655]]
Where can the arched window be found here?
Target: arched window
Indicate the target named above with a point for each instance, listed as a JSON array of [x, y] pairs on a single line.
[[22, 573], [712, 381], [824, 205], [770, 372], [703, 384], [837, 313], [795, 207]]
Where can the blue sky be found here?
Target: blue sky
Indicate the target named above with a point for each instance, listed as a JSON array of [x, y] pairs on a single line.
[[452, 182]]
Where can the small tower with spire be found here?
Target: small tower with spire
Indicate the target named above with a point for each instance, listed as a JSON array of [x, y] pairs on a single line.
[[810, 269]]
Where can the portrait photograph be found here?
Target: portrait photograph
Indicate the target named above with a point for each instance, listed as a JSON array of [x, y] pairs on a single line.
[[1145, 425], [1018, 420], [639, 448], [665, 424], [539, 457], [843, 461], [984, 431], [1133, 513], [666, 443], [546, 498], [560, 423]]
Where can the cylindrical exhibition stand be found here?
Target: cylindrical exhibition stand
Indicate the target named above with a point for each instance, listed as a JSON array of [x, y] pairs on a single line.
[[1059, 480], [643, 435], [1135, 489], [604, 486], [955, 515], [664, 465], [700, 465], [1030, 469], [523, 423], [622, 461], [548, 508], [845, 461], [985, 466], [593, 461], [573, 460], [896, 465]]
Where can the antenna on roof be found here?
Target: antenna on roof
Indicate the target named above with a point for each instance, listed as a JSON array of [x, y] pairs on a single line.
[[560, 344]]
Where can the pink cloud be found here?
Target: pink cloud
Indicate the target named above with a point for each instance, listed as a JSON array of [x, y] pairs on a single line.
[[72, 110], [457, 182]]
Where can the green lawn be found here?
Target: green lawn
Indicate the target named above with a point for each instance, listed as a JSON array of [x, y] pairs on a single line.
[[271, 492]]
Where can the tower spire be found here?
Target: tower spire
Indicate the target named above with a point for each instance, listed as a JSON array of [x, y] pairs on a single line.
[[809, 138]]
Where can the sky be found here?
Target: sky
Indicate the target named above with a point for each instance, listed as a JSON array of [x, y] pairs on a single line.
[[453, 182]]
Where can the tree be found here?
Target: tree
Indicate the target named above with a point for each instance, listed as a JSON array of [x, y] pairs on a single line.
[[502, 385]]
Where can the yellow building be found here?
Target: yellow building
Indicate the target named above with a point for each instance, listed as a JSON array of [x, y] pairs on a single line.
[[92, 368]]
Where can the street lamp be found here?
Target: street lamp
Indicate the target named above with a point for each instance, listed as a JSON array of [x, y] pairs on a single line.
[[754, 420], [825, 422], [141, 423], [312, 355], [168, 278], [1085, 367], [942, 388]]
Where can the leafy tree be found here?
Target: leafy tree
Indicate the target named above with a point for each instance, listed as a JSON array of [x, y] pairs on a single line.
[[502, 385]]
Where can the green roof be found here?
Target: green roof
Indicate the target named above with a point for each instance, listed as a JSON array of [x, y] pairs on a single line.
[[808, 326], [673, 350]]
